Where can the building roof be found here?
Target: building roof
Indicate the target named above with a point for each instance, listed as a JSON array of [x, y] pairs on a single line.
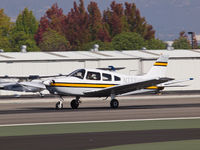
[[93, 55]]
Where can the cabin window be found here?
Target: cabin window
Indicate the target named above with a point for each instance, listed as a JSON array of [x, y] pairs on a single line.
[[78, 73], [117, 78], [93, 75], [106, 77]]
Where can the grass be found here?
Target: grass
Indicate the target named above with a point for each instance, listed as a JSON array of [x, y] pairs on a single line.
[[174, 145], [97, 127]]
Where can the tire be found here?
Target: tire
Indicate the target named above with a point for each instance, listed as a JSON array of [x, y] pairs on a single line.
[[58, 106], [114, 103], [74, 104]]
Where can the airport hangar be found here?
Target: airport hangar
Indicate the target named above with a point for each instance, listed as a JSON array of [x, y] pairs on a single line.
[[183, 64]]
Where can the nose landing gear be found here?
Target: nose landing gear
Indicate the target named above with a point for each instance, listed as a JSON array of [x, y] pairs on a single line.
[[59, 104]]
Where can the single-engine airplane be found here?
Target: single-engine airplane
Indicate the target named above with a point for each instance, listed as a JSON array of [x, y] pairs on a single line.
[[101, 83]]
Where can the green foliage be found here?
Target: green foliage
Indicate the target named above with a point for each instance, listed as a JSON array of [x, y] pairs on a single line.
[[26, 22], [155, 44], [53, 41], [5, 28], [181, 43], [23, 32], [5, 43], [128, 41], [21, 38], [102, 45], [5, 24]]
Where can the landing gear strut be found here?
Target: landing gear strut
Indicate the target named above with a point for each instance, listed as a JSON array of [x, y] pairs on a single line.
[[75, 103], [59, 104]]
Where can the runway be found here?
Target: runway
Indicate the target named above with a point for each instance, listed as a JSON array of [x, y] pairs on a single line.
[[18, 111], [42, 111]]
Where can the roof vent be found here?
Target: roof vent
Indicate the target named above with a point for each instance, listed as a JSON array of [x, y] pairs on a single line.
[[96, 48], [23, 48]]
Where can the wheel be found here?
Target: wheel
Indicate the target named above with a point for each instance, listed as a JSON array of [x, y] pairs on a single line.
[[114, 103], [74, 104], [59, 105]]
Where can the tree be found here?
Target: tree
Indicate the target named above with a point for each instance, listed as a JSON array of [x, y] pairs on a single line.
[[20, 38], [26, 22], [53, 19], [23, 32], [5, 23], [95, 20], [115, 19], [53, 41], [5, 29], [128, 41], [5, 43], [155, 44], [77, 26], [182, 42], [137, 23]]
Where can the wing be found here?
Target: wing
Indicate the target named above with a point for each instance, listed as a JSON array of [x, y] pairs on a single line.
[[38, 85], [125, 88], [30, 77]]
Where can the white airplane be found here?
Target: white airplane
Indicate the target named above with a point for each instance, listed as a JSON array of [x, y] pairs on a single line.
[[101, 83]]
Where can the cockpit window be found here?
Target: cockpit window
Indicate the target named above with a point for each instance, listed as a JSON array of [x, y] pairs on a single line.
[[78, 73], [117, 78], [106, 77], [93, 75]]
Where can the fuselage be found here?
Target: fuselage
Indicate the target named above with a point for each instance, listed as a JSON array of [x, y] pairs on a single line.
[[84, 80]]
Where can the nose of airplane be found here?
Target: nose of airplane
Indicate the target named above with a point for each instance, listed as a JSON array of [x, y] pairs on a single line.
[[48, 82], [50, 87]]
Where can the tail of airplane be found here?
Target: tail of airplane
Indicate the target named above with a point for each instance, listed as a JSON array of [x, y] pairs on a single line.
[[159, 67]]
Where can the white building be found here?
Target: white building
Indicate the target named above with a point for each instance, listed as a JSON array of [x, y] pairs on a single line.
[[182, 64]]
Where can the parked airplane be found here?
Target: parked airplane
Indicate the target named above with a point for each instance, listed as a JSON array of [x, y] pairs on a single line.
[[32, 83], [100, 83]]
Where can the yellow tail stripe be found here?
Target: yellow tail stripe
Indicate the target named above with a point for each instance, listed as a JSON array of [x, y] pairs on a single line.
[[160, 64]]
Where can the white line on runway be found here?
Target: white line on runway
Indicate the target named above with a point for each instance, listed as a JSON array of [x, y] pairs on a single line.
[[100, 121]]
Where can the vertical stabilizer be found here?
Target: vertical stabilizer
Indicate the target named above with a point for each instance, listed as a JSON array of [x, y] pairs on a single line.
[[159, 67]]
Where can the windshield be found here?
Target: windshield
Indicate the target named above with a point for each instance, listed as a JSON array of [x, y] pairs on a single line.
[[78, 73]]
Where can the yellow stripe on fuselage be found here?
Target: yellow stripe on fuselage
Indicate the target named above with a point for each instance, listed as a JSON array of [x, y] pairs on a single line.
[[160, 64], [82, 85]]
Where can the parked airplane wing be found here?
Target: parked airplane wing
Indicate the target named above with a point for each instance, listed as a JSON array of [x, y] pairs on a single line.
[[30, 77], [38, 85], [125, 88]]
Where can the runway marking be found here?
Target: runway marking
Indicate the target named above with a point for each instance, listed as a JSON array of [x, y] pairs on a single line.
[[100, 121]]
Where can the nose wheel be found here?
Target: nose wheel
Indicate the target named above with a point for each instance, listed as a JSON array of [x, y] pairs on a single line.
[[114, 103], [59, 105]]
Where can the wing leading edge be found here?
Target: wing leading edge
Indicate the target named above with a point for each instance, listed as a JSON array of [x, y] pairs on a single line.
[[125, 88]]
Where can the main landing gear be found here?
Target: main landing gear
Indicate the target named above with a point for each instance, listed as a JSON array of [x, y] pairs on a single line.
[[74, 103], [114, 103]]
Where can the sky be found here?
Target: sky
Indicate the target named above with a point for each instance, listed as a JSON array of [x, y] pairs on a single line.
[[168, 17]]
